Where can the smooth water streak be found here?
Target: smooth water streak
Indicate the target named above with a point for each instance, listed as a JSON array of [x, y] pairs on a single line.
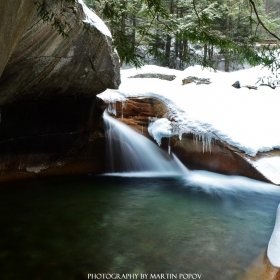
[[130, 154], [129, 151]]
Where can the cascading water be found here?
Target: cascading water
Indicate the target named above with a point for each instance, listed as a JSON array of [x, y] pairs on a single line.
[[129, 151], [131, 154]]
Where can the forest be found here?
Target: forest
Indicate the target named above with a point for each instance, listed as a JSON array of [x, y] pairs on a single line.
[[180, 33]]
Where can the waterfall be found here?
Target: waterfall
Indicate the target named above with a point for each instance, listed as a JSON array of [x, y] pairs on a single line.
[[131, 154], [129, 151]]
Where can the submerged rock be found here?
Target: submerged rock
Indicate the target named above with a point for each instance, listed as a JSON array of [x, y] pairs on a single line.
[[261, 269]]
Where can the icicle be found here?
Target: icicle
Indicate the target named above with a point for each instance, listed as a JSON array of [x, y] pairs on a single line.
[[123, 105], [169, 149], [206, 140], [112, 108], [180, 134]]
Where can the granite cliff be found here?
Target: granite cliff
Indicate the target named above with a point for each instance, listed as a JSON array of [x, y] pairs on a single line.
[[49, 115]]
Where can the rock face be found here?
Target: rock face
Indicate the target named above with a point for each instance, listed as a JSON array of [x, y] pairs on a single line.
[[222, 158], [51, 137], [45, 65], [14, 18], [50, 119]]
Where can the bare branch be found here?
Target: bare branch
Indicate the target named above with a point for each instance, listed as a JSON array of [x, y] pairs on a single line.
[[261, 23], [194, 7]]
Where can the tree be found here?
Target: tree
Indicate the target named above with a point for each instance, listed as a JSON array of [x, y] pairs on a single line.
[[170, 31]]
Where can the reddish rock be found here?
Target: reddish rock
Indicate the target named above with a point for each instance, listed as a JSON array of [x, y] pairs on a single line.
[[261, 269], [51, 137], [222, 158]]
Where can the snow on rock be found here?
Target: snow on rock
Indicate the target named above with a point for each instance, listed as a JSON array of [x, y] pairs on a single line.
[[160, 128], [244, 118], [273, 250], [269, 167], [93, 19]]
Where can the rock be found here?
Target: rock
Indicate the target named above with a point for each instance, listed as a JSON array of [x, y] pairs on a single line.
[[136, 112], [50, 119], [14, 18], [51, 137], [236, 84], [154, 75], [251, 87], [45, 65], [271, 86], [261, 269], [198, 81], [222, 158]]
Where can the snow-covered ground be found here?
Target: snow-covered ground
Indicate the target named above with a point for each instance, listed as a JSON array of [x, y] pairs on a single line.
[[245, 118]]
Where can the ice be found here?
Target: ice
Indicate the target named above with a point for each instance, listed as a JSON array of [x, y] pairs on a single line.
[[273, 250], [112, 108], [269, 167], [162, 127]]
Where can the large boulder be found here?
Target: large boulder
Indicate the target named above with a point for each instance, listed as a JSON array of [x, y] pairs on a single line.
[[45, 64], [15, 16], [49, 116]]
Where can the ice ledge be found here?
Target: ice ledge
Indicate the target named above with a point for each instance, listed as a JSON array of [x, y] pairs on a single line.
[[273, 250]]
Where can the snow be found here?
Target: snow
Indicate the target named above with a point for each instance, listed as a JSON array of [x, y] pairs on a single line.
[[269, 167], [274, 242], [244, 118], [94, 20]]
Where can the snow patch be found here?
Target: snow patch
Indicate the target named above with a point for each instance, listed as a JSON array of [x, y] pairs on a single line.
[[94, 20], [269, 167], [246, 119], [273, 250]]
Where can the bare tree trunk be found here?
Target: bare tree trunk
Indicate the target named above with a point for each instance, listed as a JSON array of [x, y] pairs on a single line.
[[168, 40], [205, 53], [227, 62]]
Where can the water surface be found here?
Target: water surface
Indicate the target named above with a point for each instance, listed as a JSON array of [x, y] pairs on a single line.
[[66, 227]]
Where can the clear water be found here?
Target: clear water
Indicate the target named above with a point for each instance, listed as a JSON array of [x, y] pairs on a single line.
[[64, 228]]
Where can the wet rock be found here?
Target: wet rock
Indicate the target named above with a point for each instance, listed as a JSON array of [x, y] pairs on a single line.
[[221, 158], [51, 137], [261, 269]]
